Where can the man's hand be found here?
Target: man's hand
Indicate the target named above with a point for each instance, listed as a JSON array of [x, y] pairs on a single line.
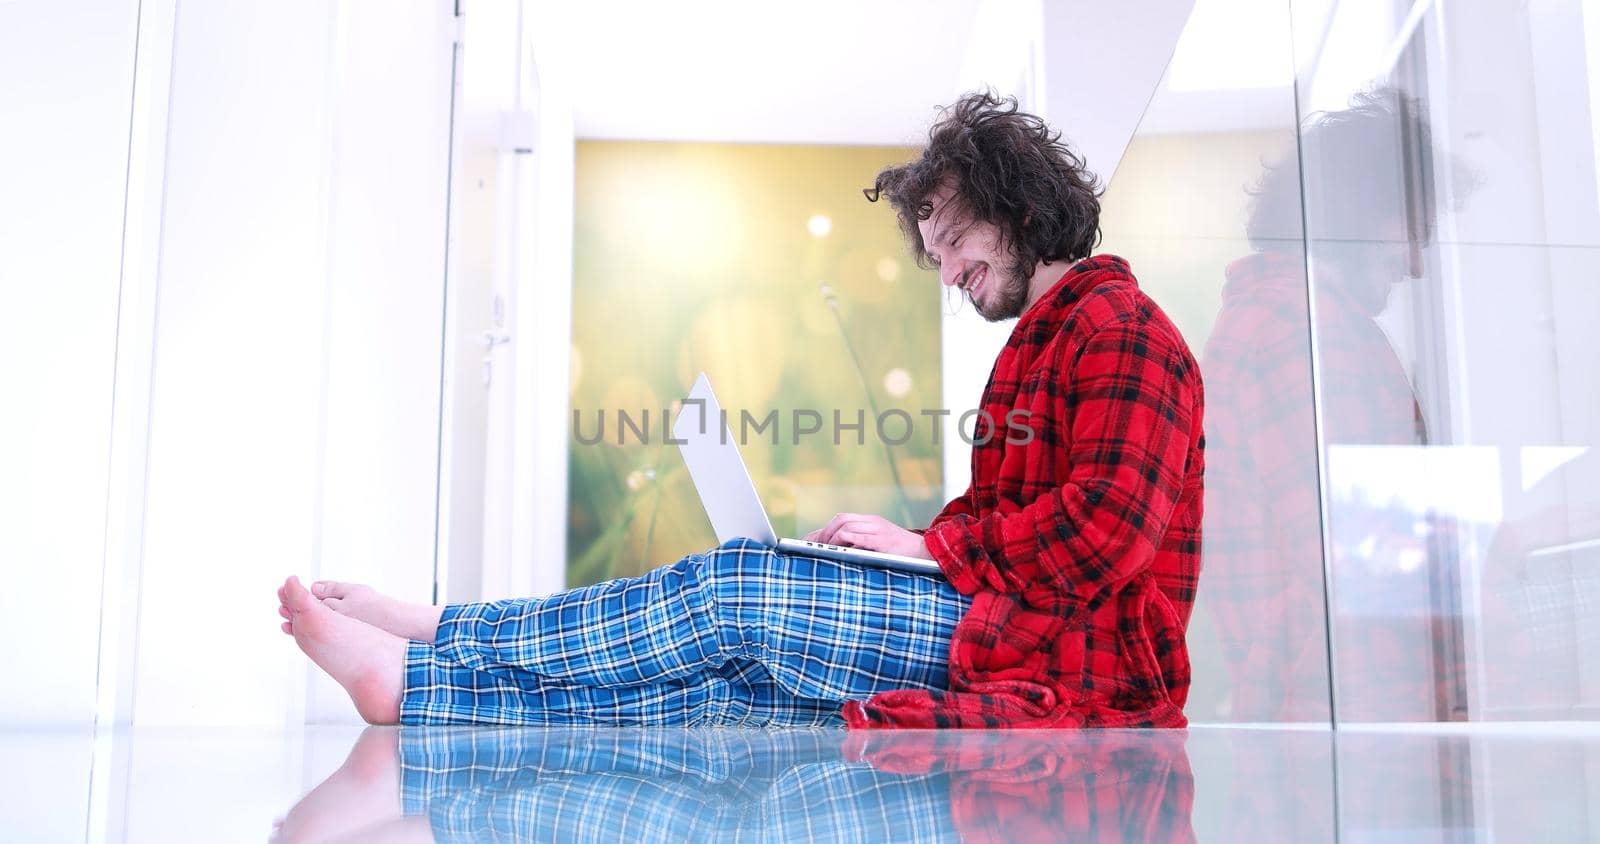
[[874, 533]]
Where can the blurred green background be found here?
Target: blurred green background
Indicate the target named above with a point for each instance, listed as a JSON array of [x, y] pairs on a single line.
[[693, 257]]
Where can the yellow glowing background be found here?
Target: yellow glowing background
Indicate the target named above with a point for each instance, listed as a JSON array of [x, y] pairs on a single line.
[[693, 257]]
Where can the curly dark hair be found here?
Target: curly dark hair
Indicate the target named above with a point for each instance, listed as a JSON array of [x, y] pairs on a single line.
[[1007, 168], [1371, 163]]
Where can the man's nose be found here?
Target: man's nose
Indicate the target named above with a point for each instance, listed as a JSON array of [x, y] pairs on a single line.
[[948, 276]]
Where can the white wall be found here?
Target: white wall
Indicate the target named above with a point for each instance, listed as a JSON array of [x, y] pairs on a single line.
[[294, 404], [385, 305], [1102, 64], [63, 163], [482, 204], [733, 71], [233, 412], [543, 314], [507, 457]]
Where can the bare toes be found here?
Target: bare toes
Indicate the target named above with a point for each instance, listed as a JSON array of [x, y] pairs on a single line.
[[298, 599], [333, 604], [328, 589], [284, 611], [287, 628]]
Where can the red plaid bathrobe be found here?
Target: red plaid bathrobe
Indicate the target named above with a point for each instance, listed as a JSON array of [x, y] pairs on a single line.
[[1081, 547]]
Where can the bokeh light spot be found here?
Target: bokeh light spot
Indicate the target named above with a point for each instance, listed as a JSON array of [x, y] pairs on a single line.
[[897, 382]]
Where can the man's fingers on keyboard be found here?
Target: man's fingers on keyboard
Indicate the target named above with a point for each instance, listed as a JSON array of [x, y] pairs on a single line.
[[851, 538]]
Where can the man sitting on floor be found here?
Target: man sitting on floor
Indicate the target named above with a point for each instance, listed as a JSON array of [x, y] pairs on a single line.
[[1070, 564]]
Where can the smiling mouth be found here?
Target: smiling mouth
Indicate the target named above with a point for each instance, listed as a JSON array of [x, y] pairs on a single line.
[[973, 280]]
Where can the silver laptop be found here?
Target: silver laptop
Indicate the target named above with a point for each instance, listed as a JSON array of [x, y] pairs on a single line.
[[730, 497]]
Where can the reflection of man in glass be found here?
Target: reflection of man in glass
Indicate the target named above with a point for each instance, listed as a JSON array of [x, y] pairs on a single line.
[[1263, 526], [577, 784], [1069, 564]]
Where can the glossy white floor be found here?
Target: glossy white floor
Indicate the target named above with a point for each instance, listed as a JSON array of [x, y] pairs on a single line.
[[1518, 783]]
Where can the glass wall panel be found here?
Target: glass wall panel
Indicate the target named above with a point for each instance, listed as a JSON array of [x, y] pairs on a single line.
[[1454, 248], [1206, 206]]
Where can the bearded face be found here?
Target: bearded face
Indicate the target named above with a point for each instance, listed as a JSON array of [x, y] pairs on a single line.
[[973, 257]]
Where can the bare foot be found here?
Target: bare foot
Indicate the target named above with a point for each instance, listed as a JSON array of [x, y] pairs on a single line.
[[402, 618], [369, 663], [364, 792], [411, 829]]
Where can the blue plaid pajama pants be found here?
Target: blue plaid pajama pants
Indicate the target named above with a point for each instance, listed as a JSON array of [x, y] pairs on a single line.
[[738, 635]]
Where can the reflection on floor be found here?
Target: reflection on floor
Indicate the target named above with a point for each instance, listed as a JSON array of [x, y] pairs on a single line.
[[427, 784]]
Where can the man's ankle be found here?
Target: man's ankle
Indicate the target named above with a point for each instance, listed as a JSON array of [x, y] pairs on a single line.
[[427, 622]]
